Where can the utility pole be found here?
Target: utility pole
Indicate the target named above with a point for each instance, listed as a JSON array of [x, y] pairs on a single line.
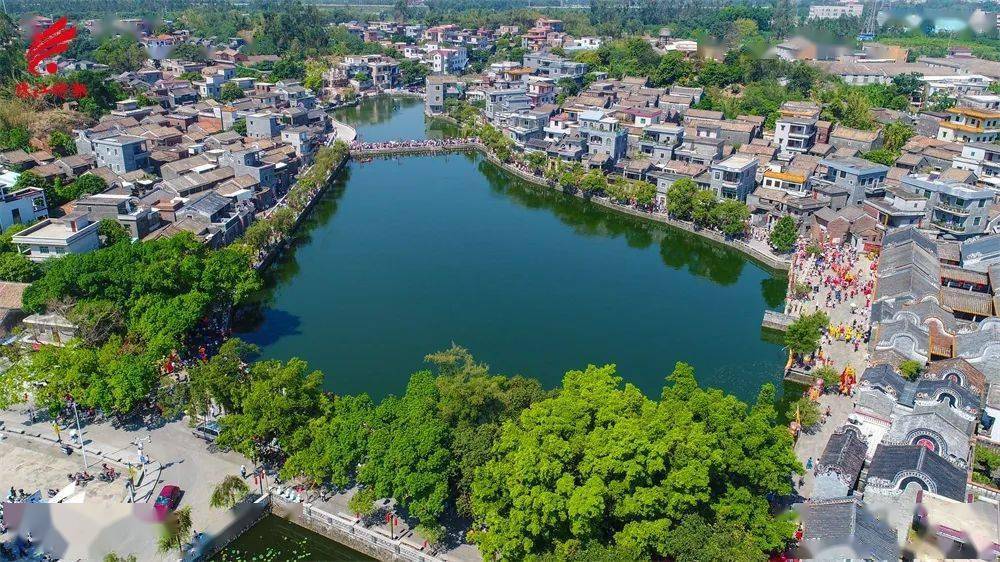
[[79, 433]]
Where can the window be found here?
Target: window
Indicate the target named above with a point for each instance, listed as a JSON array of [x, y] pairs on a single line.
[[43, 249], [975, 221]]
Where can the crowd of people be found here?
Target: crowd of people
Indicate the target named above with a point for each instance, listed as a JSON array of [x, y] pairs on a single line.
[[835, 277], [424, 143]]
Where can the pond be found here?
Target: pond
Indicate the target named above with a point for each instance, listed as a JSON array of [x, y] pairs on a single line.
[[404, 256], [274, 539]]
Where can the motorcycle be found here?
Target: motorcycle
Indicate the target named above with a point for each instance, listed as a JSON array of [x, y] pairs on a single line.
[[108, 476], [80, 477]]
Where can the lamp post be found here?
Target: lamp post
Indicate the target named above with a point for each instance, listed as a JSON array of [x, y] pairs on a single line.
[[79, 432]]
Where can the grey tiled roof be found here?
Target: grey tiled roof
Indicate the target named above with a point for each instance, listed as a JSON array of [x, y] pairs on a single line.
[[950, 442], [844, 455], [981, 347], [844, 528], [895, 466]]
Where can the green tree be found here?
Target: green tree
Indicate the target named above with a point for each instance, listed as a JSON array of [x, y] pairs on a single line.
[[259, 234], [87, 184], [881, 156], [240, 126], [314, 75], [228, 492], [230, 92], [113, 557], [680, 198], [6, 238], [911, 369], [593, 182], [15, 138], [784, 234], [803, 335], [672, 68], [643, 192], [785, 19], [537, 160], [474, 404], [281, 400], [896, 136], [363, 502], [731, 216], [61, 143], [18, 268], [601, 462], [412, 71], [112, 232], [807, 411], [288, 68], [121, 52], [223, 380], [702, 204], [339, 442], [830, 376], [570, 180], [189, 52], [408, 454]]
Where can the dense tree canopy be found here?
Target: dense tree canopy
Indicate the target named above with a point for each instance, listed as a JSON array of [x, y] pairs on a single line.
[[601, 462], [164, 287], [122, 53]]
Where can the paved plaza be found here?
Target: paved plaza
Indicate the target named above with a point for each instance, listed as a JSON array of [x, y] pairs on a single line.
[[104, 522], [840, 282]]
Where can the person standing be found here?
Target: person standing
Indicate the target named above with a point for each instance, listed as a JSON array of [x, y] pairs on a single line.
[[243, 471]]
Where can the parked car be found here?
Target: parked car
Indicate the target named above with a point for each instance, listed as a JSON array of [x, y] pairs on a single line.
[[166, 501], [209, 431]]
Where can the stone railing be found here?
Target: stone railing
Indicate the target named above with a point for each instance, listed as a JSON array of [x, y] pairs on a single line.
[[354, 534]]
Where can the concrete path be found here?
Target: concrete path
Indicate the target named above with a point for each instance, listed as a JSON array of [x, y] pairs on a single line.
[[344, 131], [337, 504]]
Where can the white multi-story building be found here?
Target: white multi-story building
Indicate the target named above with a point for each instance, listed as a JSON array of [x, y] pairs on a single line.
[[19, 206], [448, 60], [53, 238], [976, 118]]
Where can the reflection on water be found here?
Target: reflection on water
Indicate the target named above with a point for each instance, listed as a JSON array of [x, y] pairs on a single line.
[[404, 256], [385, 118]]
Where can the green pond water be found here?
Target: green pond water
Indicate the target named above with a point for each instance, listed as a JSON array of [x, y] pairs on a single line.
[[404, 256], [274, 539]]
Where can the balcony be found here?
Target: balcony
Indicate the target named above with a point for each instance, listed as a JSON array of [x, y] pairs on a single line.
[[949, 226], [952, 209], [801, 132]]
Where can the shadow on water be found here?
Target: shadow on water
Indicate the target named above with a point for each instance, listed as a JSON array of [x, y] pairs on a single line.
[[773, 289], [286, 268], [678, 249]]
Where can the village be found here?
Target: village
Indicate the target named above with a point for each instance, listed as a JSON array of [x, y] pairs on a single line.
[[889, 234]]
